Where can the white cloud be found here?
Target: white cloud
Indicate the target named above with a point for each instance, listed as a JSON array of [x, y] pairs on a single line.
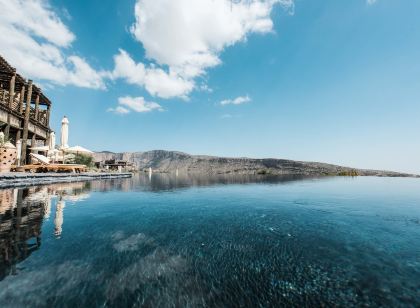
[[155, 80], [136, 104], [83, 75], [371, 2], [119, 110], [37, 43], [236, 101], [36, 17], [186, 37], [205, 88]]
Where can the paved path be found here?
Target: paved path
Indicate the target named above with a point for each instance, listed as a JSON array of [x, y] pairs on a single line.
[[19, 179]]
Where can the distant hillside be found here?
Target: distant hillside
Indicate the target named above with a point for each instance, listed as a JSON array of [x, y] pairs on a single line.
[[169, 161]]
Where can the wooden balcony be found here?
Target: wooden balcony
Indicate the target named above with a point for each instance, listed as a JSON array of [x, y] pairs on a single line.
[[41, 118], [18, 122]]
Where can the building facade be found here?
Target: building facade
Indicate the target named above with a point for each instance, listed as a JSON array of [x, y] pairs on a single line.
[[24, 110]]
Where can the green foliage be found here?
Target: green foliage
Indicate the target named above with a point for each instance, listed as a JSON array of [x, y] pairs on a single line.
[[81, 159], [4, 140]]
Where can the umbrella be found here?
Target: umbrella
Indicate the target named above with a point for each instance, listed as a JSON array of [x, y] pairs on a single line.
[[78, 150], [64, 133], [52, 141], [54, 154]]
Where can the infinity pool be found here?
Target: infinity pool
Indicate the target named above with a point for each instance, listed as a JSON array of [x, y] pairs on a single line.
[[192, 241]]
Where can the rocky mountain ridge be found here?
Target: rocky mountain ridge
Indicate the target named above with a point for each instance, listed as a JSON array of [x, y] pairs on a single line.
[[170, 161]]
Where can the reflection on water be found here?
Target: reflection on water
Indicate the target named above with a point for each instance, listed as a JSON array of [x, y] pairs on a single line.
[[22, 212], [58, 221], [197, 241], [20, 229], [166, 182]]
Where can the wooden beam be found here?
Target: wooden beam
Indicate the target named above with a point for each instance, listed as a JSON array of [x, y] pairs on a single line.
[[36, 107], [22, 99], [26, 122], [33, 141], [11, 98], [48, 116], [12, 90]]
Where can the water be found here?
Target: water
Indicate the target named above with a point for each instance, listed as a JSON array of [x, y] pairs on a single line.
[[216, 242]]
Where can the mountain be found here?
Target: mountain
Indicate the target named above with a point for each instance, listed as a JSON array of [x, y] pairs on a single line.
[[170, 161]]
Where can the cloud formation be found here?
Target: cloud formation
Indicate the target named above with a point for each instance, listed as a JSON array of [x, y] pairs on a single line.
[[371, 2], [119, 110], [236, 101], [155, 80], [179, 50], [37, 42], [137, 104], [185, 39]]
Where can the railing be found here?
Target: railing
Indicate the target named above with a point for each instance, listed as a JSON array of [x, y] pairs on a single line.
[[42, 114], [42, 117], [16, 103], [32, 113], [4, 99]]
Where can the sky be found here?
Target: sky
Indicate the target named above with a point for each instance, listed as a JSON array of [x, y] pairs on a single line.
[[334, 81]]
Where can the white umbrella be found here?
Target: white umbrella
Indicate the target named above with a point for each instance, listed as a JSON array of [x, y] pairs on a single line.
[[53, 154], [51, 143], [65, 133], [78, 150]]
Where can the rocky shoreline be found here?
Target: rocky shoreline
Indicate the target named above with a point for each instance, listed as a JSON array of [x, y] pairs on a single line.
[[17, 179]]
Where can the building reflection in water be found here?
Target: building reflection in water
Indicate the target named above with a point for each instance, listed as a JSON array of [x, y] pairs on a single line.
[[22, 212], [20, 228], [58, 221], [47, 209]]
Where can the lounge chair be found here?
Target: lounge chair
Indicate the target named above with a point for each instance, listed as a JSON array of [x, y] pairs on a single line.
[[44, 165], [40, 158]]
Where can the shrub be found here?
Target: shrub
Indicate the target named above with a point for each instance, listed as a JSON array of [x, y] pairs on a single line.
[[4, 139], [82, 159]]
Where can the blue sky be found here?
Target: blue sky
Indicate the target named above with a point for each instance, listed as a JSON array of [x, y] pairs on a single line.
[[333, 81]]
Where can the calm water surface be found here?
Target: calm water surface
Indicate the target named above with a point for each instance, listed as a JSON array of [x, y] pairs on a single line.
[[194, 241]]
